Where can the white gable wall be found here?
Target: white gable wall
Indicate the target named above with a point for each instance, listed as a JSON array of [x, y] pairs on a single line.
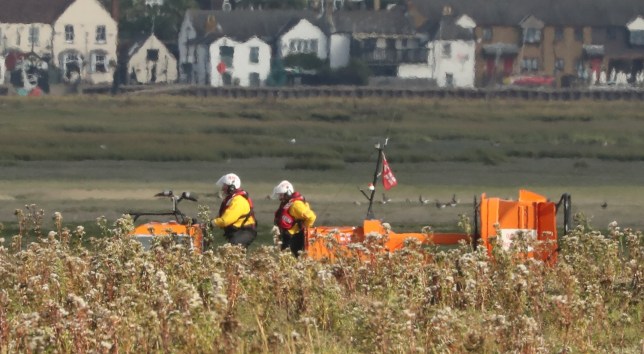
[[303, 38], [636, 25], [414, 71], [242, 66], [15, 36], [466, 22], [86, 16], [339, 50], [166, 65], [2, 70], [459, 62]]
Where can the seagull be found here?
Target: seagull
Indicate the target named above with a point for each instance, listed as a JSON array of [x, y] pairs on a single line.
[[293, 141], [422, 201], [385, 199], [440, 205], [454, 201], [604, 205]]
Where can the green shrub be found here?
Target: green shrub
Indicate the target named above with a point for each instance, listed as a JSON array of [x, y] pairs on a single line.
[[306, 61]]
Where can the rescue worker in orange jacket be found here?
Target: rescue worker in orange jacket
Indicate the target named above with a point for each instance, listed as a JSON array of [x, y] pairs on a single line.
[[293, 217], [236, 215]]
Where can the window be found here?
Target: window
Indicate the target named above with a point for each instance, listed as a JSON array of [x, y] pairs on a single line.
[[227, 79], [303, 46], [69, 33], [253, 79], [18, 37], [100, 63], [529, 64], [226, 54], [101, 36], [152, 55], [449, 79], [313, 46], [447, 50], [532, 35], [637, 37], [559, 33], [34, 36], [559, 64], [579, 34], [487, 34], [254, 55]]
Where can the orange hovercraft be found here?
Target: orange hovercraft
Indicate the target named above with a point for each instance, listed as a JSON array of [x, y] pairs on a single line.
[[182, 229], [496, 222]]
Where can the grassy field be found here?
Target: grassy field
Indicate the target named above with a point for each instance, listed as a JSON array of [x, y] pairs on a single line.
[[77, 290], [93, 156]]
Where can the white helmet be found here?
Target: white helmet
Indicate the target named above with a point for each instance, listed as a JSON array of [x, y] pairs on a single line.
[[230, 179], [285, 187]]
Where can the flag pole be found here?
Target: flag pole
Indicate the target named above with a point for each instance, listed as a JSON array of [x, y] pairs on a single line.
[[376, 174]]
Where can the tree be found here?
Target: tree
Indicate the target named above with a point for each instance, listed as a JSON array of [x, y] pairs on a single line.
[[136, 18]]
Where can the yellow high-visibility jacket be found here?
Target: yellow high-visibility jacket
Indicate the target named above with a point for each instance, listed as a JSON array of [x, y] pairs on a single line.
[[235, 212], [301, 210]]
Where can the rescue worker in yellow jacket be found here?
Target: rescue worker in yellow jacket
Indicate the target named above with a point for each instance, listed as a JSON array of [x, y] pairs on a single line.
[[293, 217], [236, 215]]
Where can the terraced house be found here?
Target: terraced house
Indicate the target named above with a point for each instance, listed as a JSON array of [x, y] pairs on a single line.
[[78, 37], [574, 41]]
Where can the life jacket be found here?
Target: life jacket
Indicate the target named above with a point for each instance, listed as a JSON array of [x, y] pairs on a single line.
[[283, 219], [226, 202]]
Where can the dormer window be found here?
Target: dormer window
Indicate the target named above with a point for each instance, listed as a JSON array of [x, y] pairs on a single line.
[[532, 35]]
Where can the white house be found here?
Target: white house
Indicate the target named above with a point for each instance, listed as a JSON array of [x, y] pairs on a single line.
[[198, 58], [76, 36], [239, 63], [150, 61], [24, 30], [84, 42], [303, 37], [451, 51]]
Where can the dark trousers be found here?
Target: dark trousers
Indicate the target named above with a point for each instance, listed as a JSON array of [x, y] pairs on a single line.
[[295, 242], [244, 236]]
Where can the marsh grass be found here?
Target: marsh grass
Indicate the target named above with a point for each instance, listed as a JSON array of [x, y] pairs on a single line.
[[59, 296], [212, 129]]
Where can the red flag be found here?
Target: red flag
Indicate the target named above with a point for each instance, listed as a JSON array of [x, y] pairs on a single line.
[[388, 178]]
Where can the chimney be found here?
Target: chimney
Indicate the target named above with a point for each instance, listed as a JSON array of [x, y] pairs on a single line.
[[376, 5], [417, 18], [116, 7], [327, 9]]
